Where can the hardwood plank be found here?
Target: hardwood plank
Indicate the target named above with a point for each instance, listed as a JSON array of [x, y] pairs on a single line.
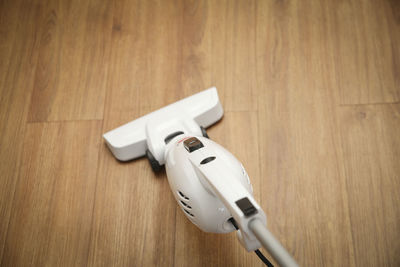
[[53, 204], [367, 50], [219, 50], [238, 132], [134, 216], [144, 60], [73, 65], [8, 31], [303, 187], [18, 26], [371, 152], [134, 223]]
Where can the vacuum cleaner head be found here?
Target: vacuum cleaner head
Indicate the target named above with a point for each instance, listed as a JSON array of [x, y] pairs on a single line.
[[151, 131]]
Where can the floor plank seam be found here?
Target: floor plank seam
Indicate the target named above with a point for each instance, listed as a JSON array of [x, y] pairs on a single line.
[[370, 104], [94, 198], [62, 121]]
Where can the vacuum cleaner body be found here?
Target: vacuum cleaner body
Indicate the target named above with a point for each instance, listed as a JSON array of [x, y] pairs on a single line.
[[207, 190], [192, 191], [210, 185]]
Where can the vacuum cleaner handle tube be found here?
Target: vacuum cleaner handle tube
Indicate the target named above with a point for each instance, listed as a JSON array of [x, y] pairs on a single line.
[[271, 244]]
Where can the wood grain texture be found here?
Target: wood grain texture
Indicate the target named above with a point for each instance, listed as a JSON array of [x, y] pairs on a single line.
[[74, 50], [53, 202], [134, 211], [367, 49], [18, 24], [373, 182], [303, 186], [310, 91], [218, 50]]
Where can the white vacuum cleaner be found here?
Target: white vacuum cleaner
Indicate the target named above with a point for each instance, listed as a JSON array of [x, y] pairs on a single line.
[[210, 185]]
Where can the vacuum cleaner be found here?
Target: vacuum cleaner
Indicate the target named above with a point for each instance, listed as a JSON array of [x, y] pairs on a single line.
[[210, 185]]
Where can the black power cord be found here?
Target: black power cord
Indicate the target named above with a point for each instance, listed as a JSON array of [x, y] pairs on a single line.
[[259, 254], [263, 258]]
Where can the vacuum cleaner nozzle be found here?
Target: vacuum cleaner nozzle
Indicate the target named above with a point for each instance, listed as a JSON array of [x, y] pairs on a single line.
[[149, 132]]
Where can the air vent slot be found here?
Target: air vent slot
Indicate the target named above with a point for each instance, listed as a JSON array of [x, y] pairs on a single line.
[[186, 205], [207, 160], [183, 195], [188, 212]]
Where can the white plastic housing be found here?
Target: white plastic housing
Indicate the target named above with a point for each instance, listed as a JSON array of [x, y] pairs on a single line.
[[131, 140], [207, 193]]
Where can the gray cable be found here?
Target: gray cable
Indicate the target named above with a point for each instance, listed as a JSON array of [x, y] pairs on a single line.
[[271, 244]]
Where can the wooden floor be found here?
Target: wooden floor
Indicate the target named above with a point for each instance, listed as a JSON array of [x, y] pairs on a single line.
[[311, 92]]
